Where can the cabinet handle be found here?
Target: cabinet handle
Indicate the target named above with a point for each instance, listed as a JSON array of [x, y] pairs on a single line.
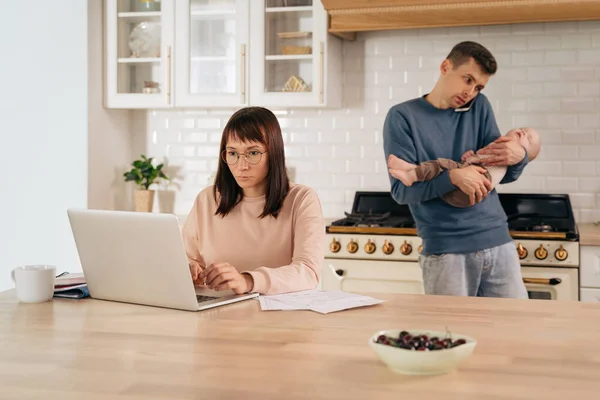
[[243, 73], [321, 71], [340, 272], [168, 73]]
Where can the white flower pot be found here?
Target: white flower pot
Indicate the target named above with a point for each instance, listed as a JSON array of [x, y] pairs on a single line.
[[166, 201]]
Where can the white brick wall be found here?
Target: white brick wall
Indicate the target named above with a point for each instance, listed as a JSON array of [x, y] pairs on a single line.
[[548, 77]]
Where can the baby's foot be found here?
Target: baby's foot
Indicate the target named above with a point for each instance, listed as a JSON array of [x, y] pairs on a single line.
[[399, 164], [406, 177]]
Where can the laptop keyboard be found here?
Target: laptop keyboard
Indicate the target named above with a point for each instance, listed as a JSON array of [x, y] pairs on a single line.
[[204, 298]]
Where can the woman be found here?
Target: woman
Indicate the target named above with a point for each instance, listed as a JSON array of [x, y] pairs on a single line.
[[253, 231]]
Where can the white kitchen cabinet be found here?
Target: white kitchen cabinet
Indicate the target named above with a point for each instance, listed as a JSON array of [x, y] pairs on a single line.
[[295, 61], [590, 266], [591, 295], [139, 37], [378, 277], [210, 53], [225, 53]]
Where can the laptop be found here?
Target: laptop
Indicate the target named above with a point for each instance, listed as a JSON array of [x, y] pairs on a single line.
[[139, 258]]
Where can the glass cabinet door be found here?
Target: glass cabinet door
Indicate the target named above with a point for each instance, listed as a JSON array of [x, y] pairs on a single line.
[[211, 53], [139, 40], [289, 48]]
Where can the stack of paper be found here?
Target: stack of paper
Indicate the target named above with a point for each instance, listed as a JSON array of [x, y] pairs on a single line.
[[321, 301], [70, 285], [69, 279]]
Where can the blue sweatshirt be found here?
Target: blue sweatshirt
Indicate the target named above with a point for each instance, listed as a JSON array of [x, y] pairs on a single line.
[[416, 131]]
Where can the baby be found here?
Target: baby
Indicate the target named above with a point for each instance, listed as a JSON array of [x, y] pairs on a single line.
[[409, 173]]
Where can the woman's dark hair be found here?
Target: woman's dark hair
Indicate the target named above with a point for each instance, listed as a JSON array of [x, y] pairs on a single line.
[[253, 124]]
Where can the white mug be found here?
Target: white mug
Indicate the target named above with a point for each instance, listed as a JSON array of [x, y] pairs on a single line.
[[34, 283]]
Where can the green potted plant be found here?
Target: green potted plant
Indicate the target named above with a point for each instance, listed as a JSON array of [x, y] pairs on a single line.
[[144, 174]]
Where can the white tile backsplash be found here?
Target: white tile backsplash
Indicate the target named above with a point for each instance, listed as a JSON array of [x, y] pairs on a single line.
[[548, 78]]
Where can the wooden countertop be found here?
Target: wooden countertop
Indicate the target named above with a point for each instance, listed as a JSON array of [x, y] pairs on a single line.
[[589, 234], [91, 349]]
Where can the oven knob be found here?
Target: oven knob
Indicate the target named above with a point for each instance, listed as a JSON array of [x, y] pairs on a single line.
[[541, 253], [370, 247], [406, 248], [352, 246], [522, 251], [334, 246], [561, 254], [420, 248], [387, 247]]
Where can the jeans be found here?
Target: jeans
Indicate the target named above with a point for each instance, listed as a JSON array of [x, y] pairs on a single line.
[[493, 272]]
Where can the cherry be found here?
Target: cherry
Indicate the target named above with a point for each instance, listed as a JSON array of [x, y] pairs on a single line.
[[419, 342]]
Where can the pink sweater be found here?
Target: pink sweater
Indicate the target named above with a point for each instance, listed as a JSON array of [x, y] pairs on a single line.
[[282, 255]]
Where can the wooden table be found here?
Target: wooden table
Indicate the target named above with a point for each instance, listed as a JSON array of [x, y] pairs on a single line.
[[91, 349]]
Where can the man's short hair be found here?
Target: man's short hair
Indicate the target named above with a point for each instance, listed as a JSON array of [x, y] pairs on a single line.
[[462, 52]]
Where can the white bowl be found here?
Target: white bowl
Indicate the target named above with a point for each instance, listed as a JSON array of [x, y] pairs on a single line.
[[412, 362]]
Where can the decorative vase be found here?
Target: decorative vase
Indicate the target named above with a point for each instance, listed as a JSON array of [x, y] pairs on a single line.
[[144, 200], [166, 201]]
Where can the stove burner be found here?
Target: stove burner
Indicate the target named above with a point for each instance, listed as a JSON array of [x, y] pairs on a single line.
[[542, 228], [534, 222], [370, 220], [367, 220]]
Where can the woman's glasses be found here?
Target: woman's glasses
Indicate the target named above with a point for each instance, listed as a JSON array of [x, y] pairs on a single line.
[[252, 156]]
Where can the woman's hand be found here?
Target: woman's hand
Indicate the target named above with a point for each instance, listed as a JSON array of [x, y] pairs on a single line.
[[224, 276], [196, 271]]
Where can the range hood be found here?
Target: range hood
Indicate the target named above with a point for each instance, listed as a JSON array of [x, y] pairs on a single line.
[[350, 16]]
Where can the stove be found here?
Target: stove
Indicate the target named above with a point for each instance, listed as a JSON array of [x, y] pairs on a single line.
[[370, 220], [378, 231]]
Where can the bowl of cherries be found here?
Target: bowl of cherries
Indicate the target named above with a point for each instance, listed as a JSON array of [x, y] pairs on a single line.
[[421, 351]]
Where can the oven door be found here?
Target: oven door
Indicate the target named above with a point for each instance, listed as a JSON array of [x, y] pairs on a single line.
[[544, 283], [372, 276]]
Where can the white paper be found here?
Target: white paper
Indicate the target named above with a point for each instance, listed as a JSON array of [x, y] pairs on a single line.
[[270, 304], [321, 301]]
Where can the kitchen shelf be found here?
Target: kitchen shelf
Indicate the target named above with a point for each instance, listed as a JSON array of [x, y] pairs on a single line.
[[293, 35], [289, 57], [137, 17], [288, 9], [208, 59], [138, 60], [212, 13]]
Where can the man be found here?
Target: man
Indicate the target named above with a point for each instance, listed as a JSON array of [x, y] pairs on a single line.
[[466, 251]]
